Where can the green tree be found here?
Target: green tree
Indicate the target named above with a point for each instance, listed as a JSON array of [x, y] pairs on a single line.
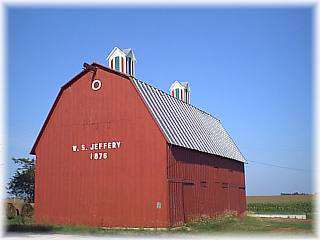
[[21, 184]]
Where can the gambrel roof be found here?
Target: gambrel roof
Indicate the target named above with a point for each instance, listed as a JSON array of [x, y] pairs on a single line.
[[187, 126], [181, 123]]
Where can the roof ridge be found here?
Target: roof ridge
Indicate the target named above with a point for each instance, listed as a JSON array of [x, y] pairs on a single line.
[[202, 111], [188, 104], [196, 133]]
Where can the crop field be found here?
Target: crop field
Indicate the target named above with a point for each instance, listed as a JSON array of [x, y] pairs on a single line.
[[280, 198], [287, 204]]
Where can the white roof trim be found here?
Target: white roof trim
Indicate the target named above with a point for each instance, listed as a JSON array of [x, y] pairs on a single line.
[[129, 53]]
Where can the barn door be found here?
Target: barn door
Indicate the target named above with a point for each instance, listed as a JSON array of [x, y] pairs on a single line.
[[233, 198], [188, 201], [225, 197], [242, 196], [176, 203]]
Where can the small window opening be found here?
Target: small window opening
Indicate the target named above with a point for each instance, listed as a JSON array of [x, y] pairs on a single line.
[[117, 63]]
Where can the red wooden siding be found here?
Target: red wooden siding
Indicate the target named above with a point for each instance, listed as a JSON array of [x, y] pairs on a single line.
[[120, 191], [124, 190], [202, 184]]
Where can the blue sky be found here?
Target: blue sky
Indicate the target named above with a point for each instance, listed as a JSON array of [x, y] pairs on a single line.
[[250, 67]]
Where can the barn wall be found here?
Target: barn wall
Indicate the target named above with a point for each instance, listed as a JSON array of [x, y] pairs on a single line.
[[203, 184], [122, 190]]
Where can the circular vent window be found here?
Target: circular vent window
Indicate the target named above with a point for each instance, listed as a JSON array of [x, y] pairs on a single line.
[[96, 85]]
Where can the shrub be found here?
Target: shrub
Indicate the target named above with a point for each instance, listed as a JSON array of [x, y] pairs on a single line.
[[11, 211], [206, 223], [27, 210]]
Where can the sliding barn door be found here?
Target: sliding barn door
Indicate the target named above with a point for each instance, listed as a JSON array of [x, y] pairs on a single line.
[[189, 201]]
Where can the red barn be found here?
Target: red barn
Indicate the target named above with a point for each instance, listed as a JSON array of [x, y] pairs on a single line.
[[115, 151]]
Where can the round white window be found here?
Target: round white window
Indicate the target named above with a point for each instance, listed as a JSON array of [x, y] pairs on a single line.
[[96, 85]]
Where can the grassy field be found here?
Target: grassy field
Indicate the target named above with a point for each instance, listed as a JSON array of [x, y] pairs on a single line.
[[293, 204], [224, 224]]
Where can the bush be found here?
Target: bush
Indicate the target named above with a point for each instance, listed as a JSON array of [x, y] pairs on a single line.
[[11, 211], [27, 210], [206, 223]]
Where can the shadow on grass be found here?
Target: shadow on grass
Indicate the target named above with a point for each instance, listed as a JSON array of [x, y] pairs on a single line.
[[29, 228]]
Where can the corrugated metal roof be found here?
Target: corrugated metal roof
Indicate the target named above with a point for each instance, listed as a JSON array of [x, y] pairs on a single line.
[[187, 126]]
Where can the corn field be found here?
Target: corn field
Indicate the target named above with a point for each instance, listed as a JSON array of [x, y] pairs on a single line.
[[278, 205]]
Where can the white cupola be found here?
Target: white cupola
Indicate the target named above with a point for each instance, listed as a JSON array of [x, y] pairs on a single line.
[[122, 60], [180, 90]]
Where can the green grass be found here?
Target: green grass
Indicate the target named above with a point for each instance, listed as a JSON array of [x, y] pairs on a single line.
[[223, 224], [249, 224]]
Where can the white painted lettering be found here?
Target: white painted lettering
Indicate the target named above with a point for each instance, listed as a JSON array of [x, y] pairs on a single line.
[[93, 154], [100, 145]]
